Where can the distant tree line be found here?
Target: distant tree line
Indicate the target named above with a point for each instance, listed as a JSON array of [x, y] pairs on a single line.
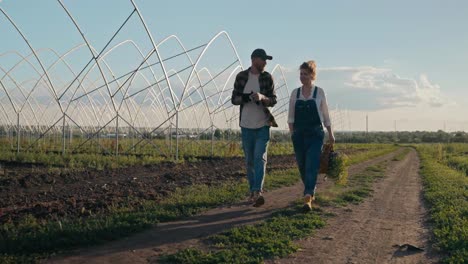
[[281, 136], [363, 137], [390, 137]]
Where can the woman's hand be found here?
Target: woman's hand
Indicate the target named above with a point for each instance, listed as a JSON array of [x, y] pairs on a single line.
[[331, 139]]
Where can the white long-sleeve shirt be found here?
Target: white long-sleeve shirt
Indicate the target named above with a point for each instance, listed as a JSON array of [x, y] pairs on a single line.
[[320, 101]]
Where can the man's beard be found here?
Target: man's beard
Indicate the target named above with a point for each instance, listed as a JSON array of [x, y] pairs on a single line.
[[259, 68]]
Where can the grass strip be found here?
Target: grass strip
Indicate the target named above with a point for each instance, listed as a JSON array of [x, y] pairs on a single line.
[[400, 156], [254, 243], [446, 193]]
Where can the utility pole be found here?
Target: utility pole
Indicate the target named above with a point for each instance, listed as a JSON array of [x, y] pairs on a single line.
[[367, 128]]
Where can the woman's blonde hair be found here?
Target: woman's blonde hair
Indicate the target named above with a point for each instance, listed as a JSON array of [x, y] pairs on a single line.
[[311, 67]]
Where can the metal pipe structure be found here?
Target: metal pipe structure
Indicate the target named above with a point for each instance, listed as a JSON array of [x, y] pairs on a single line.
[[146, 101]]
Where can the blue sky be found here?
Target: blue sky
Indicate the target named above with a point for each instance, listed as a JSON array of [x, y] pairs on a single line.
[[391, 60]]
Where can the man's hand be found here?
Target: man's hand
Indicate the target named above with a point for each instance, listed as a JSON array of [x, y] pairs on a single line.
[[246, 98], [258, 97]]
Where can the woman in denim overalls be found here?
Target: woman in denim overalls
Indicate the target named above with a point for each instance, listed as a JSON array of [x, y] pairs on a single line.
[[308, 112]]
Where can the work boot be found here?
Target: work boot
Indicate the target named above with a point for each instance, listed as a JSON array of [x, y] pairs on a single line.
[[260, 200]]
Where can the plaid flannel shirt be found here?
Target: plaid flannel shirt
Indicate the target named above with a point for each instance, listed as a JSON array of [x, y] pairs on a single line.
[[267, 88]]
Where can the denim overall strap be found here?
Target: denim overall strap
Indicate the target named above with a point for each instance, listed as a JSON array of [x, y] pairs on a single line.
[[306, 116], [298, 94]]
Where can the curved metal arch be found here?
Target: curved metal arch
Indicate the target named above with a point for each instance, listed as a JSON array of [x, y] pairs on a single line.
[[182, 82], [109, 69], [157, 81], [177, 100], [203, 52], [138, 108], [9, 97], [166, 77], [87, 94], [101, 86], [280, 69], [228, 97], [26, 98], [204, 69], [97, 109], [24, 59], [191, 63], [5, 113], [146, 61], [41, 76], [102, 57], [35, 55], [286, 97], [133, 75], [62, 59], [19, 101], [19, 85], [220, 93], [185, 51], [90, 49]]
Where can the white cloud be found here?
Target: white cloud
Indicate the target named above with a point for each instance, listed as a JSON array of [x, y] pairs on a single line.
[[382, 88]]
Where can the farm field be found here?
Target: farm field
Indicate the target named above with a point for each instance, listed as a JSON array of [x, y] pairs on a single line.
[[61, 209]]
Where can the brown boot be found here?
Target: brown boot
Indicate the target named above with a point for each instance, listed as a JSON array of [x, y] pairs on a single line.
[[308, 202], [260, 200]]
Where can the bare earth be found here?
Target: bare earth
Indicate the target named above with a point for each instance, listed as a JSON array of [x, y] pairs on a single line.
[[364, 233]]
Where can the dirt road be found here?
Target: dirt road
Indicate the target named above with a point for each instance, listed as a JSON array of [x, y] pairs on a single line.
[[363, 233], [370, 231]]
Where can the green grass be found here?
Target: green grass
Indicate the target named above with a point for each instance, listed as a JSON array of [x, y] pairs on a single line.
[[188, 151], [373, 150], [446, 193], [254, 243], [459, 163], [400, 156], [51, 156], [358, 188]]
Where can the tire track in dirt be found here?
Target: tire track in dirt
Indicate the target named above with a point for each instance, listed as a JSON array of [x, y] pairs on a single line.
[[367, 233], [173, 236]]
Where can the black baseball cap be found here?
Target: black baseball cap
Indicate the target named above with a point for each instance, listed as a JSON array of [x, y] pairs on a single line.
[[260, 53]]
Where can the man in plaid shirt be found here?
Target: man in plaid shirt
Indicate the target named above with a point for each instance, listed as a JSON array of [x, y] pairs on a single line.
[[254, 92]]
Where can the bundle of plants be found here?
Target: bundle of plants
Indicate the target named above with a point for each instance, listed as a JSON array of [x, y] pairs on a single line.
[[334, 164], [324, 157]]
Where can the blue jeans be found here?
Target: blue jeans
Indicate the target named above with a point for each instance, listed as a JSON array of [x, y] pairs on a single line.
[[307, 149], [255, 145]]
